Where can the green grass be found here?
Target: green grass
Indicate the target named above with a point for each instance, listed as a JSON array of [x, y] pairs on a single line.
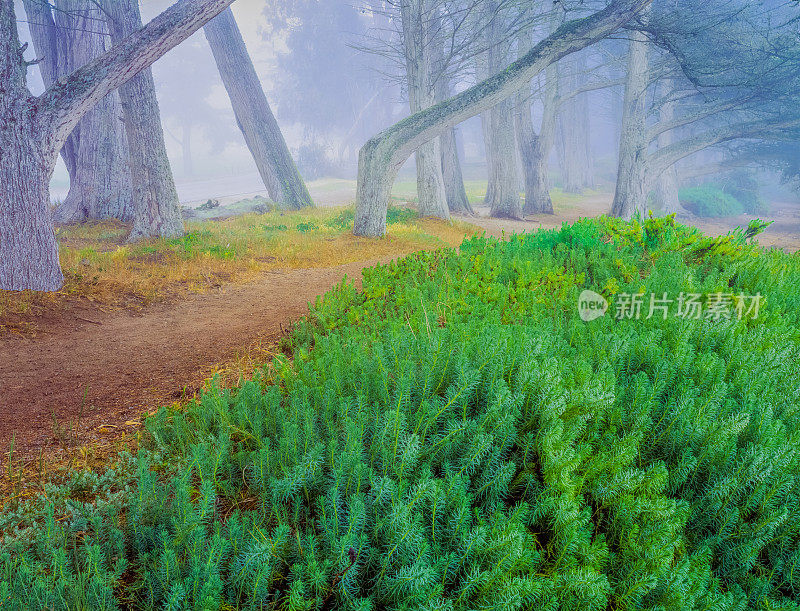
[[98, 265], [453, 436]]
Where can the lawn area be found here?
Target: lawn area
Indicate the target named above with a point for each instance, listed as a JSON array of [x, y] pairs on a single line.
[[99, 266], [455, 436]]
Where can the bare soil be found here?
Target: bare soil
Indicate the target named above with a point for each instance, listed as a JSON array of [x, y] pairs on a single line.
[[99, 371]]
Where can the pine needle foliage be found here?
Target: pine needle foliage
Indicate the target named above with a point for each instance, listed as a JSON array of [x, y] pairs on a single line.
[[453, 436]]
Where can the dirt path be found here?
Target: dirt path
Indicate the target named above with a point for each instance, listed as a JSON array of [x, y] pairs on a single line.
[[125, 362]]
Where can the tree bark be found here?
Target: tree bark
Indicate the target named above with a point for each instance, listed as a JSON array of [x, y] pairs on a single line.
[[632, 189], [49, 48], [100, 185], [157, 211], [28, 249], [418, 47], [502, 193], [381, 157], [33, 130], [573, 131], [535, 148], [665, 190], [455, 193], [253, 114]]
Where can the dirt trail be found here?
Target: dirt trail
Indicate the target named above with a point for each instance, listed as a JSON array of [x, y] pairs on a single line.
[[125, 362]]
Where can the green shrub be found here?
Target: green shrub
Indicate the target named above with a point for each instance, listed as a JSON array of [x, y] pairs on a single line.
[[743, 186], [453, 436], [709, 201]]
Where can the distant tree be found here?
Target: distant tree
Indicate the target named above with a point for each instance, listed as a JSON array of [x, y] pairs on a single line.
[[33, 130], [736, 73], [382, 156], [157, 210], [253, 114], [65, 37]]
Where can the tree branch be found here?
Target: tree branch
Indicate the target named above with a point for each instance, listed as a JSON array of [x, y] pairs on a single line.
[[62, 105]]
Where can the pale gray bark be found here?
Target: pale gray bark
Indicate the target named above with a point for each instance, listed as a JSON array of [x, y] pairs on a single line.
[[418, 47], [157, 210], [100, 185], [665, 189], [28, 249], [535, 148], [502, 195], [49, 49], [632, 189], [455, 193], [381, 157], [33, 130], [573, 143], [253, 114]]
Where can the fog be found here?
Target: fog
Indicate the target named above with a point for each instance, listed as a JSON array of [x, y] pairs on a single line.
[[334, 75]]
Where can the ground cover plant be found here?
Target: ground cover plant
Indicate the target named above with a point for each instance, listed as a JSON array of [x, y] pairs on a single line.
[[98, 265], [454, 436], [709, 201]]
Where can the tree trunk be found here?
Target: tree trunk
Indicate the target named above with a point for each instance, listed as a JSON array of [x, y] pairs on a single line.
[[28, 249], [46, 43], [100, 186], [157, 211], [381, 157], [505, 201], [535, 149], [573, 131], [455, 194], [33, 131], [454, 190], [253, 114], [418, 46], [631, 192], [502, 194], [665, 190]]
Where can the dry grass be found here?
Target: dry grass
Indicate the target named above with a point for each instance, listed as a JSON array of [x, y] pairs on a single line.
[[99, 267]]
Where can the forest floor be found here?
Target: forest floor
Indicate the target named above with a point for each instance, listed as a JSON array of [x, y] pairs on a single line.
[[80, 385], [78, 388]]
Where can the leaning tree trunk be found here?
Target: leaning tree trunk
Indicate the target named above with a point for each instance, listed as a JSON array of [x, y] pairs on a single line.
[[253, 114], [100, 185], [631, 193], [157, 211], [416, 18], [33, 130], [382, 156]]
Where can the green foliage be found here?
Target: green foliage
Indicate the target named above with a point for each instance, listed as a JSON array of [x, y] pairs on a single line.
[[709, 201], [453, 436], [397, 214], [743, 186]]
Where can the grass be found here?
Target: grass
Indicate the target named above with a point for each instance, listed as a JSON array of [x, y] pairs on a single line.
[[453, 435], [100, 267]]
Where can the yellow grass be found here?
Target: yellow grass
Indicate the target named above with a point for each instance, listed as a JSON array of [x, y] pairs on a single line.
[[98, 266]]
